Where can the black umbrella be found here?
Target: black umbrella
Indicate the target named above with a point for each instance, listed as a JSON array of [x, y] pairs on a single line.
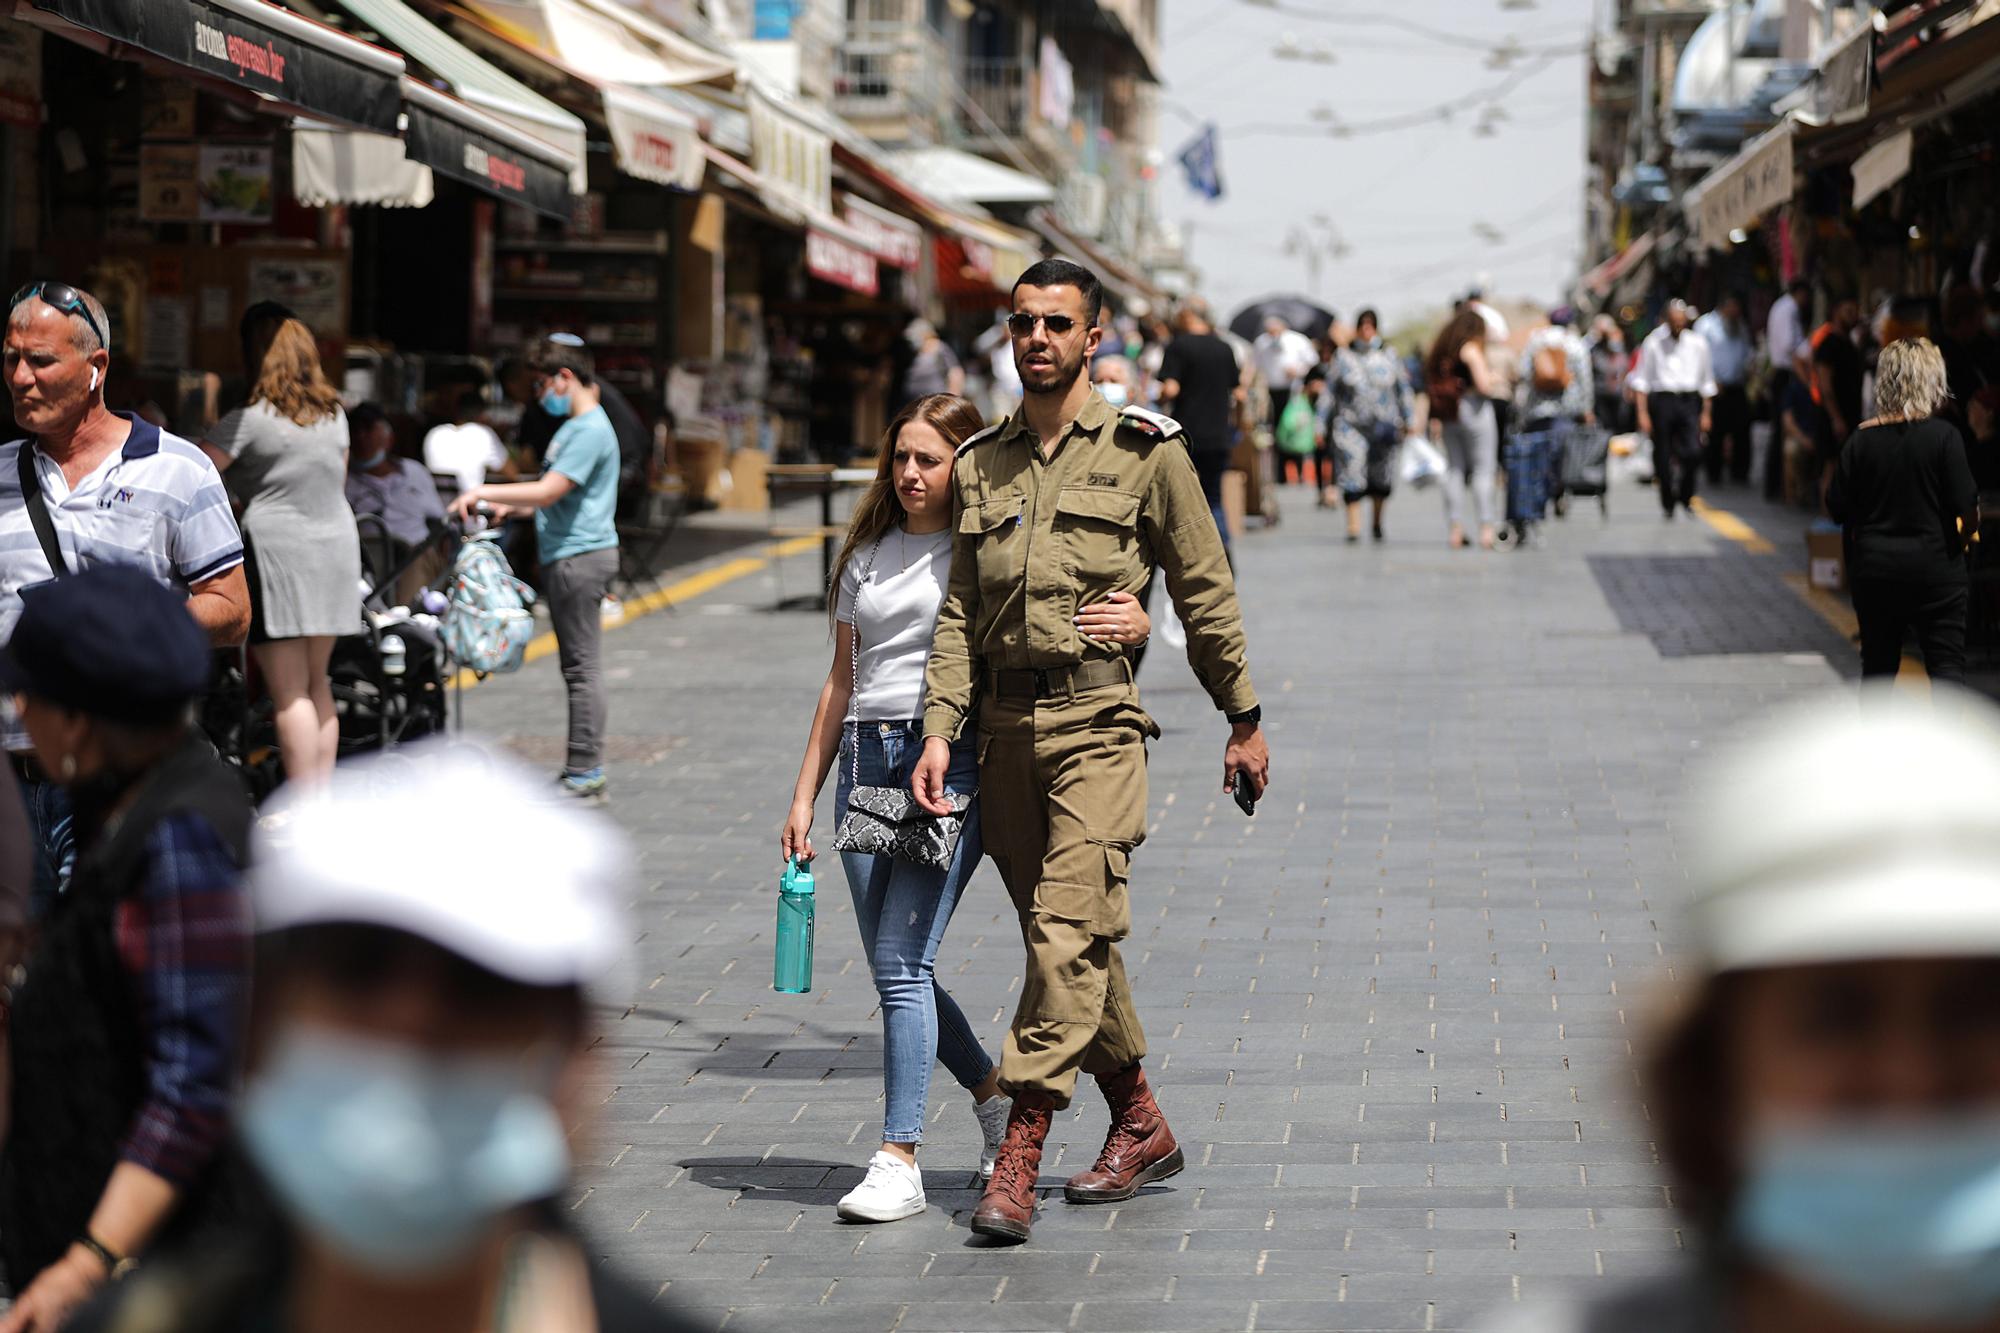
[[1302, 315]]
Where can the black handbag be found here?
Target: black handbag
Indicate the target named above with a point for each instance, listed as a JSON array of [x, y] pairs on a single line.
[[887, 821]]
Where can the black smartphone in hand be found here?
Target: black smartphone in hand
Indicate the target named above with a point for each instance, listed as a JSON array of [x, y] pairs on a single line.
[[1245, 794]]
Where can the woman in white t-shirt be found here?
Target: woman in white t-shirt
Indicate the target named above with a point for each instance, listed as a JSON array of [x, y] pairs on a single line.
[[891, 579]]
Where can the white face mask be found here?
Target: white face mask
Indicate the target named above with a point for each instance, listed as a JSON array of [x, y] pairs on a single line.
[[1115, 393]]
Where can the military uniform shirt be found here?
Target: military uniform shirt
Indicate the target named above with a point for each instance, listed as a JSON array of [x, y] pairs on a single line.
[[1038, 540]]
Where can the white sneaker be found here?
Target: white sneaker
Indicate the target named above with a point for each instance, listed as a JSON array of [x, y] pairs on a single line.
[[890, 1191], [992, 1113]]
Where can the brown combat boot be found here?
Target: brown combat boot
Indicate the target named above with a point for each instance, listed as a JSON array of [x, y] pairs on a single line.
[[1007, 1208], [1138, 1150]]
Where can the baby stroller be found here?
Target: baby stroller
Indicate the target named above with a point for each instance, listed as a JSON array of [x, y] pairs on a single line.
[[390, 680]]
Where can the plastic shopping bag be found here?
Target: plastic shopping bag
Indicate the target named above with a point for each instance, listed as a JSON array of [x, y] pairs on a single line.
[[1422, 464]]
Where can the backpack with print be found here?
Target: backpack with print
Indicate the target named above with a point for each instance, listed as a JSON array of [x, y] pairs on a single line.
[[487, 624]]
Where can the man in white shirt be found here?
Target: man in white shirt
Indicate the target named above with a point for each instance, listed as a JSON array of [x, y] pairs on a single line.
[[1674, 388], [1784, 334], [1727, 334], [1283, 357], [102, 488]]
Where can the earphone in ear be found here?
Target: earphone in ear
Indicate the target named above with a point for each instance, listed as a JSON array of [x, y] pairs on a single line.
[[93, 379]]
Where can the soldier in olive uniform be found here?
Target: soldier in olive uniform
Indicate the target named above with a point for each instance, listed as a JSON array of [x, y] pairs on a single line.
[[1063, 504]]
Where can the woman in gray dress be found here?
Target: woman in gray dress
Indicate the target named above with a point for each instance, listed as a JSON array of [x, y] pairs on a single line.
[[284, 456]]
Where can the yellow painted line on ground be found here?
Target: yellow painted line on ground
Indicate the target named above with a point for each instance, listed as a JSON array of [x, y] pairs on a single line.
[[1735, 529], [1837, 613], [694, 585]]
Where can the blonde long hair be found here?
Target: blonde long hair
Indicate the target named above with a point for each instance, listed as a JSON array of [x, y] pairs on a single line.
[[290, 380], [1910, 381], [878, 509]]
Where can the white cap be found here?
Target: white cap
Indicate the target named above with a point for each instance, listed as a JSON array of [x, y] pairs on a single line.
[[458, 846], [1843, 829]]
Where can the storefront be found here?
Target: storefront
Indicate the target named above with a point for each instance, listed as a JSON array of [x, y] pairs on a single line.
[[167, 192]]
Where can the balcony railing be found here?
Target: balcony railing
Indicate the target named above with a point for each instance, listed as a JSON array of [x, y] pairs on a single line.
[[998, 88], [897, 73]]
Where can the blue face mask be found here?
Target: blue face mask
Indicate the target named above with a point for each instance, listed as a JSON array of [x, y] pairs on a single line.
[[397, 1159], [1896, 1220], [555, 404], [372, 460]]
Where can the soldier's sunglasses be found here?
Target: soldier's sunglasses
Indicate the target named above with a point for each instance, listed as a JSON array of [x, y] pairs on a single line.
[[64, 298], [1021, 325]]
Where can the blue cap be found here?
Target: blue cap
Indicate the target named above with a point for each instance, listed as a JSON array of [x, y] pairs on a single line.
[[110, 642]]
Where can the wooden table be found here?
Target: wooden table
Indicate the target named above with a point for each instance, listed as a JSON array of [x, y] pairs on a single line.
[[824, 480]]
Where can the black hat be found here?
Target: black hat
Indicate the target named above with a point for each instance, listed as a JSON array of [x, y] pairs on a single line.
[[110, 642]]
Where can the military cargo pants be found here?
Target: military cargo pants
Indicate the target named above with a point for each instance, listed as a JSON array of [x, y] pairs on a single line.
[[1062, 794]]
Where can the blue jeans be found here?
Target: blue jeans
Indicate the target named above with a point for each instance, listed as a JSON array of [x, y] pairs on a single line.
[[52, 831], [902, 909]]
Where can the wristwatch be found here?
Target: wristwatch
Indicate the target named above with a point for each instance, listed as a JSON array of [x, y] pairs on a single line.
[[1248, 715], [116, 1265]]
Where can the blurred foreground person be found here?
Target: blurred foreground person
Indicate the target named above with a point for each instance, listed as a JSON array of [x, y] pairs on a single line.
[[126, 1033], [1828, 1102], [418, 1043]]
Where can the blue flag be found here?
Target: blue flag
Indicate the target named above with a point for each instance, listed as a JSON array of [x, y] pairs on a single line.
[[1204, 177]]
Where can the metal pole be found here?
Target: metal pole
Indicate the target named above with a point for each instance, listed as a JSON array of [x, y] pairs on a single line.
[[1649, 60]]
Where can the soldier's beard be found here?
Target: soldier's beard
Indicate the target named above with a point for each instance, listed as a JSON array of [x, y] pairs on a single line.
[[1061, 379]]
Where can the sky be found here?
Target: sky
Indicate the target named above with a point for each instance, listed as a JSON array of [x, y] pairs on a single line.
[[1423, 210]]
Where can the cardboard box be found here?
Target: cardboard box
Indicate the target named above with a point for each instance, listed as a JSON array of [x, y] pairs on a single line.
[[749, 483], [1826, 559]]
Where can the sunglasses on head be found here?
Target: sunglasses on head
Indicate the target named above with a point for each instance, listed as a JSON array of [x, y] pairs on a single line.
[[1021, 324], [64, 298]]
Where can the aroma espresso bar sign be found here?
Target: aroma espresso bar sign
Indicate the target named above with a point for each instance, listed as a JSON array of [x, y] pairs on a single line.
[[266, 62], [256, 46]]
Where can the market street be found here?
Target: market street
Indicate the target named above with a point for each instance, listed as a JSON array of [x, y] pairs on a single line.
[[1391, 1018]]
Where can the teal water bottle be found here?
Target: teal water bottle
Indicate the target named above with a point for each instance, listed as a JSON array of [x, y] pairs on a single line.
[[792, 967]]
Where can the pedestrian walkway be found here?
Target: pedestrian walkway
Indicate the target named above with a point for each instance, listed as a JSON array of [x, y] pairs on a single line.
[[1392, 1018]]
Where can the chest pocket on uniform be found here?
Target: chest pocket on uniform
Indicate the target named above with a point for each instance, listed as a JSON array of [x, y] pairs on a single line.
[[1100, 533], [995, 527]]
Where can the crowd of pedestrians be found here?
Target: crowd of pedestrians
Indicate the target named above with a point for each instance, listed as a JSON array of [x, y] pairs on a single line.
[[207, 1004]]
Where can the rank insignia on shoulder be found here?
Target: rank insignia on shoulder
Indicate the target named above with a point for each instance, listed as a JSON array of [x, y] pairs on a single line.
[[1153, 425], [982, 436]]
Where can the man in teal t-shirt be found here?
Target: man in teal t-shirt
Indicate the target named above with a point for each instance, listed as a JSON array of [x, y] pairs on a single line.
[[573, 502]]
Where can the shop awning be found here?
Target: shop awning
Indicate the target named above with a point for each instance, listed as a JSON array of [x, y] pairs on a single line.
[[467, 145], [1743, 189], [610, 42], [474, 81], [988, 251], [836, 254], [892, 239], [1601, 280], [303, 65], [651, 138], [336, 166], [955, 175]]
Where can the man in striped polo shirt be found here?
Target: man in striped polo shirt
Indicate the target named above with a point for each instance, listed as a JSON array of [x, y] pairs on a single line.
[[115, 490]]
